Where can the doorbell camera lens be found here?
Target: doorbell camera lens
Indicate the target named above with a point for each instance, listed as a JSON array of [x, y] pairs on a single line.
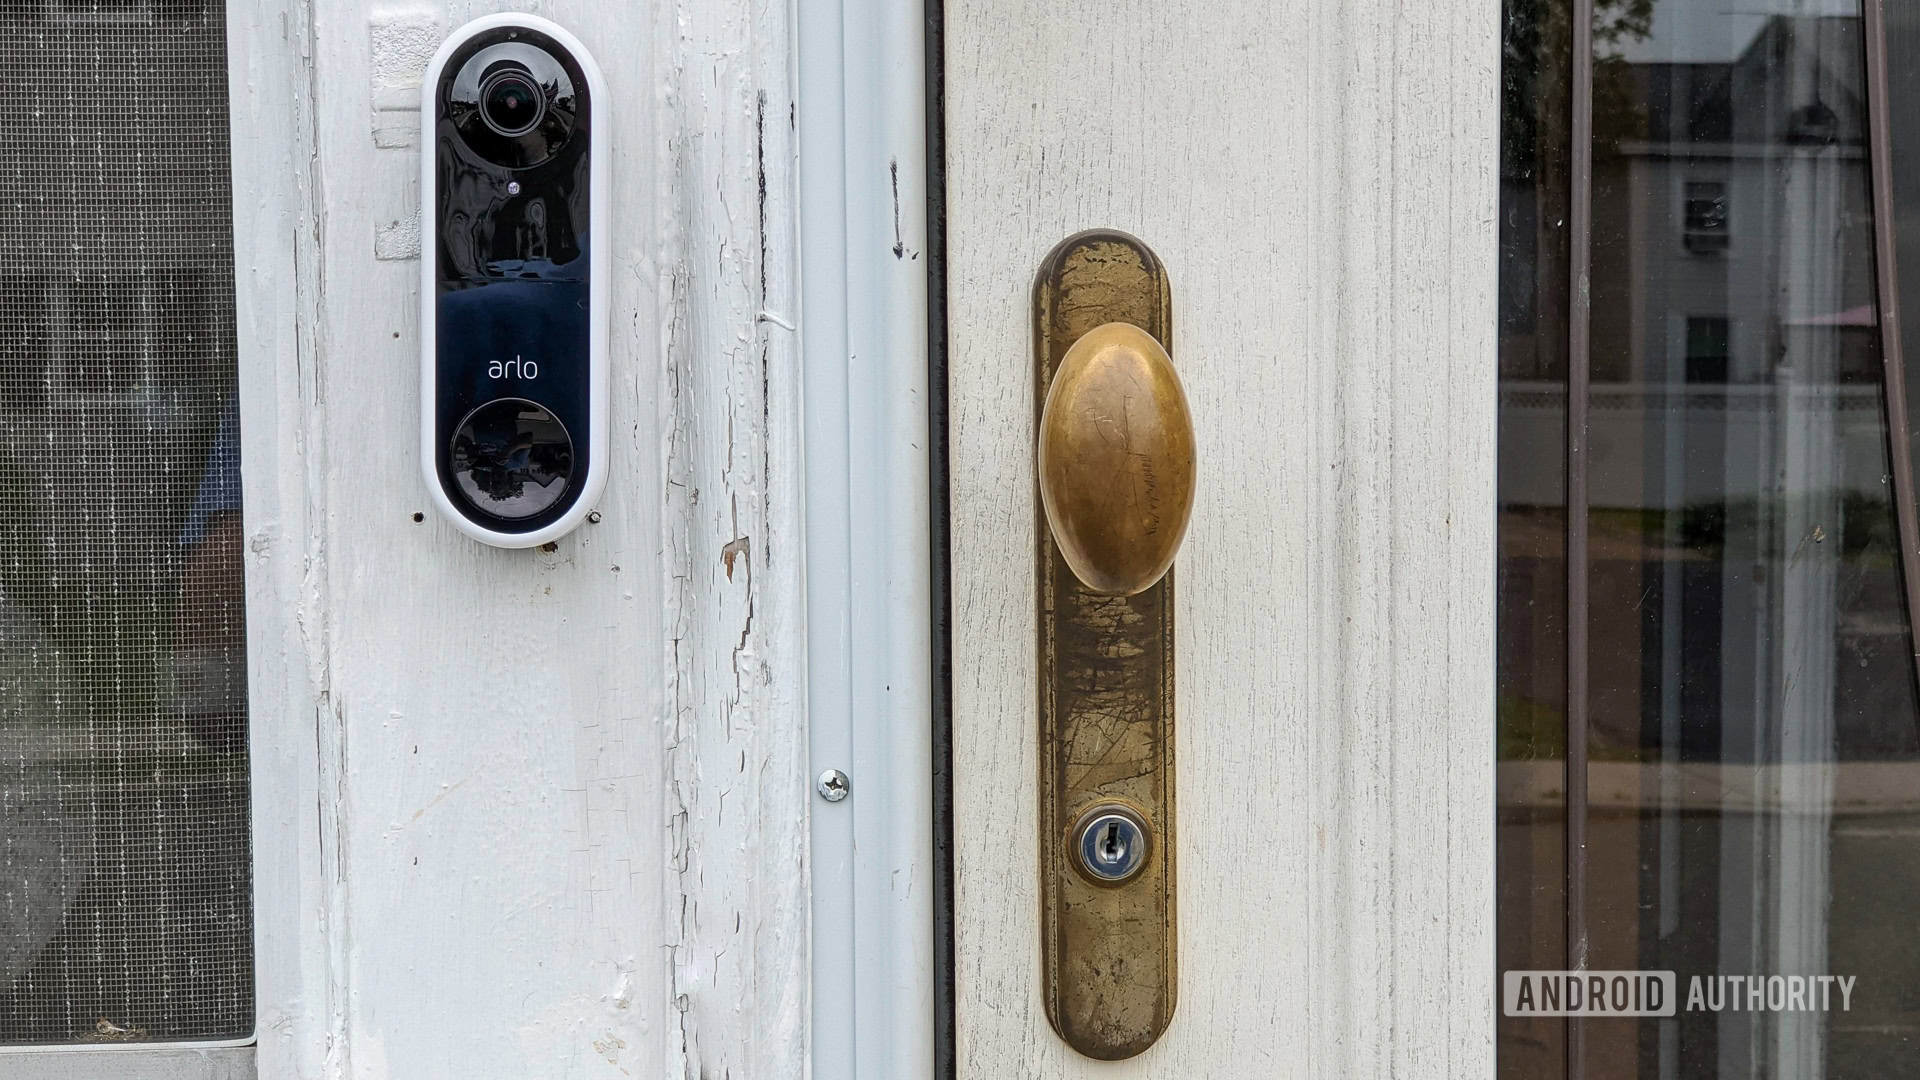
[[514, 101], [510, 103]]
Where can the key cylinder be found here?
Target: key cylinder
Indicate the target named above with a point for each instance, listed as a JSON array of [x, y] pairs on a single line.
[[1110, 844]]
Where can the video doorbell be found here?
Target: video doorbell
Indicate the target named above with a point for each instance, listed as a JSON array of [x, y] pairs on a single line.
[[514, 315]]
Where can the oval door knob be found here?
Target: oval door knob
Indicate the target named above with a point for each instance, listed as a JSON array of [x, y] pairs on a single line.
[[1116, 459]]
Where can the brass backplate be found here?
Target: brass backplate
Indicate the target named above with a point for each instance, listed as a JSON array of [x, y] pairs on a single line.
[[1106, 707]]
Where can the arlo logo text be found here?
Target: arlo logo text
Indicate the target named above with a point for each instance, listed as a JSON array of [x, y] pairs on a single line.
[[515, 368]]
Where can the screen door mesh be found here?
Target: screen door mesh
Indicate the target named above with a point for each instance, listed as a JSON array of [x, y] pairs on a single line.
[[125, 912]]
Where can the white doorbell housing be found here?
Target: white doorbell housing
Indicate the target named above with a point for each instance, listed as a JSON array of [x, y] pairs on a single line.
[[514, 282]]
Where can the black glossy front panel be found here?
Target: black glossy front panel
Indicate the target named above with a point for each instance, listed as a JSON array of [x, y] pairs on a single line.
[[510, 234]]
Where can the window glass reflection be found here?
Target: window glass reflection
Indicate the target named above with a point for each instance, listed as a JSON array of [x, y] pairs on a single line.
[[1753, 766]]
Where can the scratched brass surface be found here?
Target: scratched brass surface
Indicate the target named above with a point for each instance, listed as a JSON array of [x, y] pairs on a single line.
[[1106, 706], [1115, 459]]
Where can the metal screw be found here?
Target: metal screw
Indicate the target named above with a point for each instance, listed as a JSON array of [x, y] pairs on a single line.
[[513, 187], [593, 516], [1110, 844], [833, 785]]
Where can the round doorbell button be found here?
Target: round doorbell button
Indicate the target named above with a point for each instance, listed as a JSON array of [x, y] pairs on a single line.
[[512, 459]]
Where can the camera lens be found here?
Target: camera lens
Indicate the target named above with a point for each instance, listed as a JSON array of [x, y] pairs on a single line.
[[511, 103], [515, 100]]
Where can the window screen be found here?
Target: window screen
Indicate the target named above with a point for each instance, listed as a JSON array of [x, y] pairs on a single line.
[[124, 864]]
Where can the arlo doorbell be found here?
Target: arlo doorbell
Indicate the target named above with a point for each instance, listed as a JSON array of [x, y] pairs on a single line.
[[513, 320]]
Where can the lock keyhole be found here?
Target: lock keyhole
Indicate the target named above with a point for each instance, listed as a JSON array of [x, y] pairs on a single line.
[[1110, 844]]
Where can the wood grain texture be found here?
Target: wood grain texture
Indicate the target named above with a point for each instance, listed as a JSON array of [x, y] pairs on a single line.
[[1320, 179], [298, 992], [535, 813]]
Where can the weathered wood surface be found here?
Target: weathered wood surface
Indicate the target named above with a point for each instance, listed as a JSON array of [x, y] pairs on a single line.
[[1319, 178], [524, 813]]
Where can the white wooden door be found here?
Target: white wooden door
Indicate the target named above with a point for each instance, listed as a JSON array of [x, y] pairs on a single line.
[[1319, 178]]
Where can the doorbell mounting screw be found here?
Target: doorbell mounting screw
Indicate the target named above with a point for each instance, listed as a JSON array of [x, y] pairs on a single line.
[[833, 785]]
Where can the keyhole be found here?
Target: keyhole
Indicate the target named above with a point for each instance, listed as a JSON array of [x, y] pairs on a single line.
[[1110, 844]]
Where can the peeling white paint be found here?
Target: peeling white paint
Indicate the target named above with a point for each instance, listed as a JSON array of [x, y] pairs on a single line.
[[397, 240], [524, 813], [400, 42]]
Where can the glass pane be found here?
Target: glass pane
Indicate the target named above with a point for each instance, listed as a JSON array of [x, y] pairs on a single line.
[[1532, 645], [125, 910], [1753, 758]]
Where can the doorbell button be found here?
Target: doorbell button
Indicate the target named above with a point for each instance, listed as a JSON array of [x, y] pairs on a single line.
[[512, 459], [514, 434]]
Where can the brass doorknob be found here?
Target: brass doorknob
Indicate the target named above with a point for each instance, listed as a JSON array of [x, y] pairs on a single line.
[[1116, 459]]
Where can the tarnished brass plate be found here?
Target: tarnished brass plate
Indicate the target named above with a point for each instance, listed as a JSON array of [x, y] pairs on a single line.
[[1106, 707]]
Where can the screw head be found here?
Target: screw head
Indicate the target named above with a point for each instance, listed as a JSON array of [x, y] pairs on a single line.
[[1110, 844], [833, 785], [513, 187]]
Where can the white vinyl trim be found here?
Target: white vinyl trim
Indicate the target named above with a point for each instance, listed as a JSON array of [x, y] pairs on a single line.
[[599, 273], [862, 148]]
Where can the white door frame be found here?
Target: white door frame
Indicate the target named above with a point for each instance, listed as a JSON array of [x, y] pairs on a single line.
[[612, 847]]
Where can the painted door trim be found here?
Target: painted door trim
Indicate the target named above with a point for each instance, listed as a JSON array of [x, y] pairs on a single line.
[[864, 265]]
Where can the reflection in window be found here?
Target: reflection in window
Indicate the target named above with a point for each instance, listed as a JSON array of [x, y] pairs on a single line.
[[1707, 349], [1752, 763], [125, 896], [1706, 229]]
